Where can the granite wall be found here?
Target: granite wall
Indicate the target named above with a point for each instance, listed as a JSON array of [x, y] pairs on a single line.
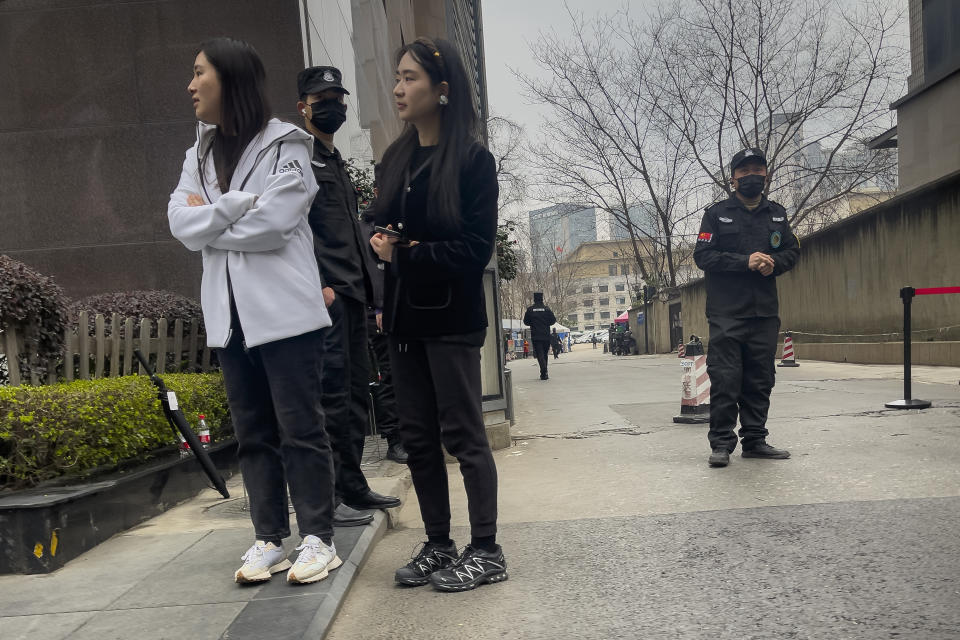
[[94, 122]]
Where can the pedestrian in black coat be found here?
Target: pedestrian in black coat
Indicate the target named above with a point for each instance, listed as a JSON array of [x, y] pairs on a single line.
[[438, 205]]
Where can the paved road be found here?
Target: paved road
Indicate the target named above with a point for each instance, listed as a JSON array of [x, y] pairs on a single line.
[[615, 527]]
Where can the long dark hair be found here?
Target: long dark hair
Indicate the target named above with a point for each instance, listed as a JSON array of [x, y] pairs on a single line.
[[244, 108], [459, 127]]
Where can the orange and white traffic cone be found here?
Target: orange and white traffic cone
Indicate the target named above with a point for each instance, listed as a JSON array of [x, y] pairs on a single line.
[[695, 383], [789, 358]]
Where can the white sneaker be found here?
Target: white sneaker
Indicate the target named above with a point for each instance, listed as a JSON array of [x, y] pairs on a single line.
[[261, 560], [314, 562]]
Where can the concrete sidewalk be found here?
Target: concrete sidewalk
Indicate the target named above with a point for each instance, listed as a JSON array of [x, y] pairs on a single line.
[[612, 523], [172, 578], [614, 526]]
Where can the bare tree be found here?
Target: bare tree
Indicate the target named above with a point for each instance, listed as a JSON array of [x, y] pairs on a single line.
[[647, 113], [807, 81]]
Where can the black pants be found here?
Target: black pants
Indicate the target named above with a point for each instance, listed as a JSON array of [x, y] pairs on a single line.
[[346, 383], [740, 362], [384, 397], [439, 401], [274, 396], [556, 350], [542, 349]]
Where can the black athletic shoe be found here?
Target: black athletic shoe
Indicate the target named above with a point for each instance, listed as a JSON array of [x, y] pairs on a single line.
[[432, 557], [763, 450], [719, 458], [475, 567]]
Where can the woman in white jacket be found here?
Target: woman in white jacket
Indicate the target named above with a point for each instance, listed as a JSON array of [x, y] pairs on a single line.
[[242, 201]]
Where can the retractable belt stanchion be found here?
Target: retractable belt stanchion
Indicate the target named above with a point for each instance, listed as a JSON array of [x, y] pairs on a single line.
[[907, 294]]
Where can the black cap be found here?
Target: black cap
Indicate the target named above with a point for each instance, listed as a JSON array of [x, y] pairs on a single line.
[[318, 80], [745, 155], [537, 297]]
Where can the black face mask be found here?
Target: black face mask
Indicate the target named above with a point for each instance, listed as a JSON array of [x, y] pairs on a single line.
[[751, 186], [328, 115]]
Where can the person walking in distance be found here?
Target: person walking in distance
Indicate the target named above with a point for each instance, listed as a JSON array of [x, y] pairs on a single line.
[[540, 318], [556, 343], [242, 201], [744, 243], [341, 250], [438, 211]]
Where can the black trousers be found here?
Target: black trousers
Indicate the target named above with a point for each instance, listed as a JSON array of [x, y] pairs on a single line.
[[274, 396], [346, 383], [740, 363], [439, 402], [542, 350], [384, 397]]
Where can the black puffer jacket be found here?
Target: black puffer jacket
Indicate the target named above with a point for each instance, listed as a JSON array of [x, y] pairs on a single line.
[[436, 287]]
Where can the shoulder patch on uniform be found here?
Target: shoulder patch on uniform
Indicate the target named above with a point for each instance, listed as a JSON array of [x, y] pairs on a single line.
[[722, 219], [317, 163], [779, 219], [705, 236]]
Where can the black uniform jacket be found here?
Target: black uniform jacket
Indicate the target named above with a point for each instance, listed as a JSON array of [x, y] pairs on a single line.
[[435, 288], [728, 235], [539, 318], [341, 246]]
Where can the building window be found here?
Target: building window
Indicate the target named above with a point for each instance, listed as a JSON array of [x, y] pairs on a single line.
[[588, 316], [620, 287], [624, 270], [619, 313], [612, 269], [588, 303], [604, 302], [587, 289], [603, 288], [604, 315], [572, 318], [621, 301], [572, 291], [588, 327]]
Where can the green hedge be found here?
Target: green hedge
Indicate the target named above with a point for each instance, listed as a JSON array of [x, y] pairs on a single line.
[[87, 425]]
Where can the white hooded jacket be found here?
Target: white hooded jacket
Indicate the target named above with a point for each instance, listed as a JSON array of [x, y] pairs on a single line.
[[256, 234]]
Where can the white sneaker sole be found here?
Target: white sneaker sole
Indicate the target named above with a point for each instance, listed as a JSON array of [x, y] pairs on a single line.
[[335, 563], [263, 576]]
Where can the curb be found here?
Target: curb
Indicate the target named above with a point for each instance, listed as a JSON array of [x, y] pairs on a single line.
[[342, 581]]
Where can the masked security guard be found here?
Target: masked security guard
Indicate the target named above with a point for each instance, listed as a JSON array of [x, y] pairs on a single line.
[[342, 251], [744, 243]]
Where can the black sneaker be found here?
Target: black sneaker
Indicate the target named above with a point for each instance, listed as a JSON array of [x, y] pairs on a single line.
[[475, 567], [763, 450], [719, 458], [431, 558]]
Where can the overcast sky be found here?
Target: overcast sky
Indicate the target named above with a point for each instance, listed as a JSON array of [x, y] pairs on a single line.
[[509, 26]]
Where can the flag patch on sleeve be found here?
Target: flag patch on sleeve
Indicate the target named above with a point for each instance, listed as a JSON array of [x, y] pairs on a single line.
[[705, 237]]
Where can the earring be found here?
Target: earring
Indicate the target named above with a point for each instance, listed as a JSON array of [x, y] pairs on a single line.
[[444, 100]]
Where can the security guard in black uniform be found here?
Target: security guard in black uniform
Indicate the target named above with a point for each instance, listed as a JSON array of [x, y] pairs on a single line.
[[540, 318], [342, 252], [744, 243]]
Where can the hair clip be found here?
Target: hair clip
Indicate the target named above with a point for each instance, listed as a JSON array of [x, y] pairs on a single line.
[[436, 53]]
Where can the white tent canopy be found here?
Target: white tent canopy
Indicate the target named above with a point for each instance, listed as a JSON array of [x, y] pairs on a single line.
[[513, 324]]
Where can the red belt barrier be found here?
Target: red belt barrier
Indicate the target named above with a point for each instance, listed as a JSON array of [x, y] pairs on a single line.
[[936, 290]]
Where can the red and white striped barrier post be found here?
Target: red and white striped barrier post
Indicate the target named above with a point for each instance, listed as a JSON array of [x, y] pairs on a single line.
[[695, 385], [681, 350], [789, 358]]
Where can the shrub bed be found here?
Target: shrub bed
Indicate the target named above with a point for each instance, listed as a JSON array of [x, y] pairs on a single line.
[[87, 426]]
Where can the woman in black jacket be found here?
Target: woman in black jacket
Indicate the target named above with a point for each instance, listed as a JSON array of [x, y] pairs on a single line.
[[439, 192]]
